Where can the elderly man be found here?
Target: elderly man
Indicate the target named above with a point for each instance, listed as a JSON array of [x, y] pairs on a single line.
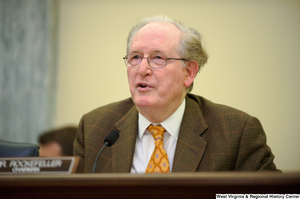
[[162, 127]]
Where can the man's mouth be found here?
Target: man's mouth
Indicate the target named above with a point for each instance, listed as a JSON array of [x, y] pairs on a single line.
[[142, 85]]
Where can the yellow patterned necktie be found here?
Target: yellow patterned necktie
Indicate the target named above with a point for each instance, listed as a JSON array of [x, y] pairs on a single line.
[[159, 162]]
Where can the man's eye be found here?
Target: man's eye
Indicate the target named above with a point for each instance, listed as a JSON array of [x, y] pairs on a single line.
[[136, 57], [157, 57]]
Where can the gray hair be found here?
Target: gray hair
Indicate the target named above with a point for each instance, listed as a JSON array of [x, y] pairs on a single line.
[[190, 46]]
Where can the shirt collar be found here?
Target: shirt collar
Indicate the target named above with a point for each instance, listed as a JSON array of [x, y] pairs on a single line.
[[172, 124]]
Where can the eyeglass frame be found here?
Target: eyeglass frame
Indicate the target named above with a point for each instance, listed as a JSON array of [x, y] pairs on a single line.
[[126, 58]]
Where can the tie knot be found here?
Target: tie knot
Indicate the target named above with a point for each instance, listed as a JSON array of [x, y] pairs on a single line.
[[157, 132]]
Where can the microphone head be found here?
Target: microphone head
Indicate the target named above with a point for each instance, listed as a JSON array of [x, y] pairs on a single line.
[[111, 138]]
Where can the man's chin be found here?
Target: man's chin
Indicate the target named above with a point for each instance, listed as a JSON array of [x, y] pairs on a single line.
[[143, 102]]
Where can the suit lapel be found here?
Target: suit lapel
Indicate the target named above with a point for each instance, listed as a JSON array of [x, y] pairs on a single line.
[[190, 146], [123, 150]]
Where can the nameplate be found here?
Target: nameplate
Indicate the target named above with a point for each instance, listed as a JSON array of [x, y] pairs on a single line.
[[39, 165]]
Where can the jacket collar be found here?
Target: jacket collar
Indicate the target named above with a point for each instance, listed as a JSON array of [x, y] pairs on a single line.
[[190, 146], [123, 150]]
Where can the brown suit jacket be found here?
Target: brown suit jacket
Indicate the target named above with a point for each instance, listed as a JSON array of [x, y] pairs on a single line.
[[212, 137]]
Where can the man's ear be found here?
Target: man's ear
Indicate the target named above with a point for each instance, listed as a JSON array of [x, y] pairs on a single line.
[[191, 70]]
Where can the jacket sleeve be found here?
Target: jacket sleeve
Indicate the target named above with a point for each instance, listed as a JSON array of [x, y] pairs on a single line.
[[254, 154], [79, 146]]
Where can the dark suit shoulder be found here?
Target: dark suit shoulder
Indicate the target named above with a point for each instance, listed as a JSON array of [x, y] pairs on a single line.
[[211, 109], [221, 118], [110, 113]]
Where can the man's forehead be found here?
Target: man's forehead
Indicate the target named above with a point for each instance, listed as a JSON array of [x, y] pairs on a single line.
[[157, 34], [159, 27]]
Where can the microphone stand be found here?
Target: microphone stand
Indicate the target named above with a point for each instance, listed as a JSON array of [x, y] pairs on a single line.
[[95, 164]]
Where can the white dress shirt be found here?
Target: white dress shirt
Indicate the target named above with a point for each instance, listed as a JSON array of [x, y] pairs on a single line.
[[144, 146]]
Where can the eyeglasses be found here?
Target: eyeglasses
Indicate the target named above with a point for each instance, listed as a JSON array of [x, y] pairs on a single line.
[[154, 61]]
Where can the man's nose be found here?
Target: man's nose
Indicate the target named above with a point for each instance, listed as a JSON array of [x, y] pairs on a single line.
[[144, 68]]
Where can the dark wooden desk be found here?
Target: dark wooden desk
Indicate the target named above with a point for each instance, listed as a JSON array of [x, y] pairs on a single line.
[[176, 185]]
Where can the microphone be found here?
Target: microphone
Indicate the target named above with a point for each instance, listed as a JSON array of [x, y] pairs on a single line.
[[109, 140]]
